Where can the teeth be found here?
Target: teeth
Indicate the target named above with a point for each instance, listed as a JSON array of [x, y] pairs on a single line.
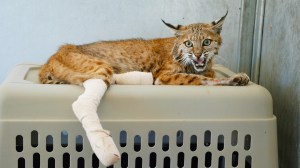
[[199, 64]]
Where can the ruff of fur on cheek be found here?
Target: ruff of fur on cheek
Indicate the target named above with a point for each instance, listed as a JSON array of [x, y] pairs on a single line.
[[184, 60]]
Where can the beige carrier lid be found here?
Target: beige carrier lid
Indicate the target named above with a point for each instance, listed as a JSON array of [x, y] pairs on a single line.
[[23, 98]]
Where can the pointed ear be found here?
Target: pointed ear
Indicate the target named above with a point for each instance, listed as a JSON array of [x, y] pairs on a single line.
[[217, 24], [178, 30]]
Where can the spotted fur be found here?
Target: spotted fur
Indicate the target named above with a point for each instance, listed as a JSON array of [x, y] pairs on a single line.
[[186, 59]]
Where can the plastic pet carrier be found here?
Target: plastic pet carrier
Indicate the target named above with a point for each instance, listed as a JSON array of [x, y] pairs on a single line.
[[153, 126]]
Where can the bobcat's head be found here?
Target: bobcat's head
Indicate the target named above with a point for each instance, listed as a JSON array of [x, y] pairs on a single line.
[[197, 44]]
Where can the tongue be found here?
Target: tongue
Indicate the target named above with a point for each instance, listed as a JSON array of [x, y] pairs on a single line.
[[200, 61]]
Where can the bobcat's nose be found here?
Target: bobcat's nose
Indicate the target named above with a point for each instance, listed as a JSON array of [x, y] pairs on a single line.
[[198, 55]]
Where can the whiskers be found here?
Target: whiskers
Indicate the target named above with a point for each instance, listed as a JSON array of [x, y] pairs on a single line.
[[183, 59]]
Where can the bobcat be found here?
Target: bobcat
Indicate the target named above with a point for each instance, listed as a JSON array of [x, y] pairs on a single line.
[[185, 59]]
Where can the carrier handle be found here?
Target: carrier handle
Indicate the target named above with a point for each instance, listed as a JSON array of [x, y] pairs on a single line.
[[19, 73]]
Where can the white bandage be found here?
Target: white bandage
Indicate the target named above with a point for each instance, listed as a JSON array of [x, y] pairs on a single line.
[[134, 78], [85, 109]]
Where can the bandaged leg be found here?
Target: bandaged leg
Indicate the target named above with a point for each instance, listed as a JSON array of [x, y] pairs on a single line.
[[134, 78], [85, 109]]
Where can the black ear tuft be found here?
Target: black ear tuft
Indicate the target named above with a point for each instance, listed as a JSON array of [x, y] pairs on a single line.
[[217, 25], [171, 26], [220, 20]]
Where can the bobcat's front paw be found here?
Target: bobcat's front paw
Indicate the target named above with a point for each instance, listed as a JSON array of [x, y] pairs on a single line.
[[240, 79]]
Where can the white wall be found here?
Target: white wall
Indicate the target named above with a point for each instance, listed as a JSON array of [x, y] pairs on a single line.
[[32, 30]]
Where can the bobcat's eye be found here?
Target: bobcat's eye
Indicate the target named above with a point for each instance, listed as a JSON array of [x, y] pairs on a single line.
[[188, 43], [206, 42]]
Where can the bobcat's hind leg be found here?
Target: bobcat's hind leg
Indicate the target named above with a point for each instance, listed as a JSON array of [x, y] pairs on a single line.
[[95, 75], [85, 109], [75, 69], [87, 67]]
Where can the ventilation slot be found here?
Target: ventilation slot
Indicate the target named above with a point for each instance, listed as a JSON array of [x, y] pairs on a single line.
[[151, 138], [36, 160], [179, 138], [247, 143], [194, 162], [152, 162], [80, 163], [234, 138], [167, 162], [34, 139], [19, 143], [21, 163], [137, 143], [193, 143], [235, 159], [66, 160], [207, 138], [208, 157], [64, 138], [221, 162], [49, 143], [165, 143], [95, 161], [180, 159], [138, 162], [51, 162], [79, 143], [124, 160], [248, 162], [220, 142], [123, 138]]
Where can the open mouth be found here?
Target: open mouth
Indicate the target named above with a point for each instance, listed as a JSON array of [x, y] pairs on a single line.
[[200, 63]]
